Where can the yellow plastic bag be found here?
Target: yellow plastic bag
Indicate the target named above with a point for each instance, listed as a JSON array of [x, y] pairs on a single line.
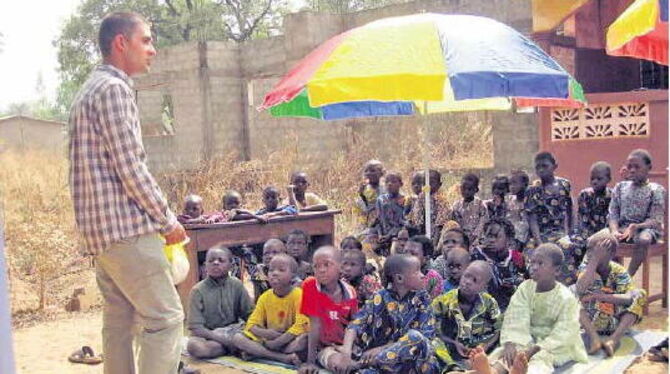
[[176, 255]]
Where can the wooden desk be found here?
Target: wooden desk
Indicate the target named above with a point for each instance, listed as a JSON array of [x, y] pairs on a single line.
[[319, 225]]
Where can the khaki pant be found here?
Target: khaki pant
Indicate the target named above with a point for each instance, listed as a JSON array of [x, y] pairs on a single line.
[[136, 285]]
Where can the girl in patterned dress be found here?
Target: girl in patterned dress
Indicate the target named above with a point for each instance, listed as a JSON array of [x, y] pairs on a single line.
[[637, 210]]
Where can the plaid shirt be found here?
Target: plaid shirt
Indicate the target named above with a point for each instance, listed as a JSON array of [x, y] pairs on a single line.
[[114, 195]]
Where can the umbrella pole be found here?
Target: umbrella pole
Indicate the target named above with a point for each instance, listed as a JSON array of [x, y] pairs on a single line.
[[426, 155]]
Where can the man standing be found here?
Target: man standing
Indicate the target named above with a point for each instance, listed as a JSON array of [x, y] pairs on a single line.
[[119, 208]]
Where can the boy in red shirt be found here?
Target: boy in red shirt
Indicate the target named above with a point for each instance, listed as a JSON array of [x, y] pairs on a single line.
[[330, 304]]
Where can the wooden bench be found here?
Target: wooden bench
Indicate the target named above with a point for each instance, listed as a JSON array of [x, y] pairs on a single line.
[[659, 249], [319, 225]]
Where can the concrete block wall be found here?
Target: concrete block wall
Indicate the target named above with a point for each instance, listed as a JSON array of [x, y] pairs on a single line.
[[263, 57], [150, 116], [318, 139], [217, 86], [222, 96], [304, 31], [176, 72], [515, 141]]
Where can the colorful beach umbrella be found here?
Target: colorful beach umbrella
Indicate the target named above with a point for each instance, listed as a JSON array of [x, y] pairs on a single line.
[[641, 31], [424, 63]]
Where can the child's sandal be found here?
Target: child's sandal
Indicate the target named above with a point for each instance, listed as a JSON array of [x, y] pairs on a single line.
[[85, 355]]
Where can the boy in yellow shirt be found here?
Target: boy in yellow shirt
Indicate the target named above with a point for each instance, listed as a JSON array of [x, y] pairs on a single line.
[[276, 329]]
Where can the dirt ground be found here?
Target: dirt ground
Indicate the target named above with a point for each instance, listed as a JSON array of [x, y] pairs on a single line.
[[43, 348]]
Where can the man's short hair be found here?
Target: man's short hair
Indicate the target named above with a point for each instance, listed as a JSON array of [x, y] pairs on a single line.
[[114, 24]]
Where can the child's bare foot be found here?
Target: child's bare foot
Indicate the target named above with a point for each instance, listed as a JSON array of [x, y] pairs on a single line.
[[479, 361], [610, 346], [475, 351], [595, 345], [520, 365], [292, 359]]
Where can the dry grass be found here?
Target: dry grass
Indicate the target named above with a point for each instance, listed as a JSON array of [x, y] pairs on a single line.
[[39, 222], [39, 226]]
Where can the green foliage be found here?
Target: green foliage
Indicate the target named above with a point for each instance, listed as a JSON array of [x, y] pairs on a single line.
[[348, 6], [172, 22]]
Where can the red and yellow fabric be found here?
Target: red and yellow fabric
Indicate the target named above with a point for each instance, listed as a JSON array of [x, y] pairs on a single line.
[[548, 14], [641, 31]]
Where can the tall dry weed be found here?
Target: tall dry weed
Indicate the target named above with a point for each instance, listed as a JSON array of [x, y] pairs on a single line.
[[39, 221], [38, 217], [336, 178]]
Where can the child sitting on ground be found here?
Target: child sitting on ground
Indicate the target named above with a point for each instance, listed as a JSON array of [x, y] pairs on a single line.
[[467, 317], [259, 273], [451, 238], [515, 207], [231, 210], [365, 205], [271, 207], [276, 329], [457, 261], [439, 209], [421, 247], [192, 212], [355, 271], [399, 241], [297, 245], [637, 210], [299, 197], [330, 303], [506, 263], [549, 206], [469, 211], [351, 242], [540, 329], [393, 332], [495, 207], [218, 306], [610, 302], [391, 209]]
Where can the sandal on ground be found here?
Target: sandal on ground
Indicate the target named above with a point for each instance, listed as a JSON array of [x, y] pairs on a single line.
[[86, 356], [183, 369], [659, 352]]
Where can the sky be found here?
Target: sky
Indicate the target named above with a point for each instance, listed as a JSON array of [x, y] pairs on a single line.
[[28, 28]]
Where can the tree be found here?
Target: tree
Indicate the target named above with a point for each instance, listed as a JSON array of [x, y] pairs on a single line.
[[172, 22], [348, 6], [244, 19]]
